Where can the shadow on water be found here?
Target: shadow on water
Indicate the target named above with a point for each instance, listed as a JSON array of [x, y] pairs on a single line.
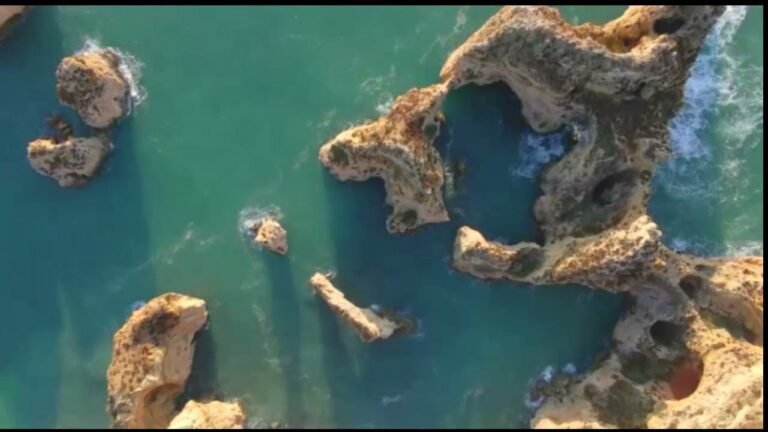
[[287, 331], [203, 382], [85, 250]]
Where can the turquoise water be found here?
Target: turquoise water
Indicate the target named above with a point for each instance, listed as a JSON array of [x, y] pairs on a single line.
[[239, 100]]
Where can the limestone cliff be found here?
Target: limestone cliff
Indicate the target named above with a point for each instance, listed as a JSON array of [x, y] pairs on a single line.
[[9, 16], [71, 162], [210, 415], [91, 83], [615, 87], [368, 323], [398, 149], [271, 235], [151, 361]]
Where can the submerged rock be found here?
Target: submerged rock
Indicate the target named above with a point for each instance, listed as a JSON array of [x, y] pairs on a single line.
[[210, 415], [268, 233], [368, 324], [151, 361], [91, 83], [9, 16], [72, 162]]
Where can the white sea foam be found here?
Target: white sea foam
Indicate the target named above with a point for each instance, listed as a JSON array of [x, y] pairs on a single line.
[[385, 104], [250, 216], [129, 66], [536, 151]]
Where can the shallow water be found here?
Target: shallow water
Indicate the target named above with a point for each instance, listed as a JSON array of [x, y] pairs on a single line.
[[232, 123]]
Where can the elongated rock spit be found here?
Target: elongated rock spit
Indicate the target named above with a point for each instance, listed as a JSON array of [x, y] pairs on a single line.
[[151, 361], [369, 325]]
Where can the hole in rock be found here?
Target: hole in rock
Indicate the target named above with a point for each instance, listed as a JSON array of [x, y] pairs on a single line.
[[667, 333], [611, 188], [668, 25], [686, 377], [691, 285]]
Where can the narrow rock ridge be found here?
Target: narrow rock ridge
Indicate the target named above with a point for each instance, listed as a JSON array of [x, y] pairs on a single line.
[[368, 324], [9, 16], [151, 361], [210, 415], [615, 87], [398, 149]]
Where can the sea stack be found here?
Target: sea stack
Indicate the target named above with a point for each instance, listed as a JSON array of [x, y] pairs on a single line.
[[268, 233], [91, 83], [151, 361], [71, 162], [368, 324]]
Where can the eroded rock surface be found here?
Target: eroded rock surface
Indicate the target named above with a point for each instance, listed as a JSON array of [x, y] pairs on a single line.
[[151, 361], [398, 149], [71, 162], [616, 87], [210, 415], [369, 324], [268, 233], [91, 83], [9, 16]]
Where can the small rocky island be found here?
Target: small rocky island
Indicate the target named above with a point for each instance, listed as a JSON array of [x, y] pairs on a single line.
[[688, 352], [269, 234]]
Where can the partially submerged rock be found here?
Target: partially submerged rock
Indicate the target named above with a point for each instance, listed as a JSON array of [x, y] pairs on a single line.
[[91, 83], [9, 16], [210, 415], [398, 149], [151, 361], [268, 233], [368, 324], [71, 162]]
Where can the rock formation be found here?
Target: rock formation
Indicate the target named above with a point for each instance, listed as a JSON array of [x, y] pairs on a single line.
[[91, 83], [397, 148], [688, 353], [617, 86], [9, 16], [268, 233], [209, 415], [70, 161], [151, 361], [369, 324]]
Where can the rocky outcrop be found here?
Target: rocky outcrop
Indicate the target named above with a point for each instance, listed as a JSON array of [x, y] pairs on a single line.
[[210, 415], [398, 149], [71, 162], [9, 16], [268, 233], [151, 361], [91, 83], [616, 87], [369, 324]]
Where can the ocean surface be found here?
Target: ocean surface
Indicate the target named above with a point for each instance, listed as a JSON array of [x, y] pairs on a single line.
[[232, 105]]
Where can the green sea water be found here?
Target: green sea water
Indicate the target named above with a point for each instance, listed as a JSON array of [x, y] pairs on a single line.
[[238, 100]]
